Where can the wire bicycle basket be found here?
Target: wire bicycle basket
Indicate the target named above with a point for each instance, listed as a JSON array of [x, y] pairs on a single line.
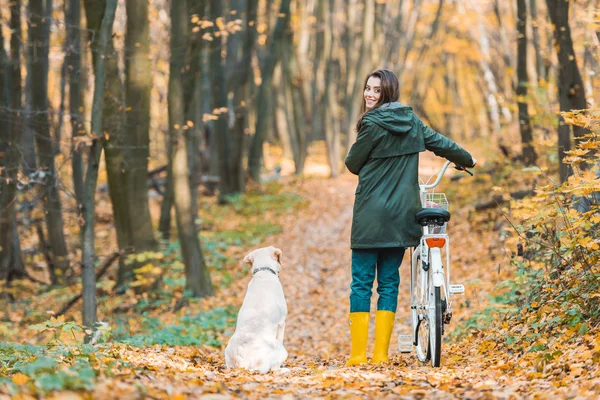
[[436, 200]]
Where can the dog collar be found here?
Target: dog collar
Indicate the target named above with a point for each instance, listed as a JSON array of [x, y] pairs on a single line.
[[265, 269]]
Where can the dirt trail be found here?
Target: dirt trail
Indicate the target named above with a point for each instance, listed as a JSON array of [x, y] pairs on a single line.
[[316, 278]]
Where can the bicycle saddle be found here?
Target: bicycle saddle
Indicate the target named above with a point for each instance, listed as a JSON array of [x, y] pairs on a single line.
[[432, 216]]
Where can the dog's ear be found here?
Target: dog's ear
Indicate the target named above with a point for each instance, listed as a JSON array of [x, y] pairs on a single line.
[[277, 254], [249, 259]]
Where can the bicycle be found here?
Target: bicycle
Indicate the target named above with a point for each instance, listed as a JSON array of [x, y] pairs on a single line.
[[430, 288]]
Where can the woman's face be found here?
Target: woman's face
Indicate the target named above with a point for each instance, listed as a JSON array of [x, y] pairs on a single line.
[[372, 92]]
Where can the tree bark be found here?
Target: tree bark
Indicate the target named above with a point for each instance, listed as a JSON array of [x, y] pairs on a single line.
[[88, 205], [528, 151], [136, 136], [539, 60], [44, 143], [11, 264], [73, 59], [571, 93], [238, 82], [294, 82], [219, 101], [197, 276], [329, 105], [363, 68], [284, 125], [113, 117], [267, 68], [27, 136]]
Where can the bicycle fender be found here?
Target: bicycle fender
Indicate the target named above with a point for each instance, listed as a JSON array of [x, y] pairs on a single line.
[[437, 273]]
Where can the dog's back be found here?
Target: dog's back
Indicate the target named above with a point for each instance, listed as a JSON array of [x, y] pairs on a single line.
[[257, 343]]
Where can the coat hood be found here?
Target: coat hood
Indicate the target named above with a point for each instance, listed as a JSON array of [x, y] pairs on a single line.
[[393, 117]]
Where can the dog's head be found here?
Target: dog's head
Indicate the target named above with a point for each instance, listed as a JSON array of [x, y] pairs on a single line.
[[265, 257]]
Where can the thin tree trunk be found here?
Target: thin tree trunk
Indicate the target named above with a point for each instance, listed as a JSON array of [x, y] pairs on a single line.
[[284, 125], [590, 61], [329, 104], [364, 67], [529, 155], [88, 205], [238, 82], [292, 86], [506, 53], [27, 137], [571, 93], [192, 96], [197, 276], [117, 144], [164, 223], [480, 34], [318, 113], [539, 60], [274, 52], [193, 78], [219, 101], [73, 59], [39, 102]]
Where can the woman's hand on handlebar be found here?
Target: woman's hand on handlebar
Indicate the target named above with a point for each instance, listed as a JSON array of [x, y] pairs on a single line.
[[461, 168]]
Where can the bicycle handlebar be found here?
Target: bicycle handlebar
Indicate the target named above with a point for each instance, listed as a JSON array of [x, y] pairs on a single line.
[[441, 174]]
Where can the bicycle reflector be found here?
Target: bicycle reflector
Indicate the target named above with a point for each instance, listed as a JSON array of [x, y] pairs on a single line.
[[436, 242]]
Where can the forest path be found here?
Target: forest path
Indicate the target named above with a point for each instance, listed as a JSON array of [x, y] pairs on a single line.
[[316, 278]]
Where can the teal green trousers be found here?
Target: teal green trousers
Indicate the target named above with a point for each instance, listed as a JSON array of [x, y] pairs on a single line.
[[368, 264]]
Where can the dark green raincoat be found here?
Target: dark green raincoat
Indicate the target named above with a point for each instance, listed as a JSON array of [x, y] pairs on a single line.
[[386, 159]]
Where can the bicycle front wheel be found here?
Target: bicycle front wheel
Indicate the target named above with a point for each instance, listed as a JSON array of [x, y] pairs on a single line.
[[435, 324]]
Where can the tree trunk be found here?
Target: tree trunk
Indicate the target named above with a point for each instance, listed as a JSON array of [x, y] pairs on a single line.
[[297, 101], [539, 60], [136, 136], [363, 68], [73, 59], [571, 93], [118, 144], [88, 205], [274, 52], [219, 101], [11, 265], [292, 83], [27, 136], [284, 125], [329, 105], [590, 60], [45, 148], [529, 155], [192, 97], [197, 276], [238, 82]]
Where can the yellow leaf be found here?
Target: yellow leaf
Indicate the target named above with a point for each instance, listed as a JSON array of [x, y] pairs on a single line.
[[20, 379]]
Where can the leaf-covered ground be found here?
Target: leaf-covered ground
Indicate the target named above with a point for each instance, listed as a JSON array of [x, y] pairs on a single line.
[[483, 357]]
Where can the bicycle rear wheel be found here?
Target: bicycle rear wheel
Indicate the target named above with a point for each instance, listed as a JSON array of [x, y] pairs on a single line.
[[418, 307], [435, 324]]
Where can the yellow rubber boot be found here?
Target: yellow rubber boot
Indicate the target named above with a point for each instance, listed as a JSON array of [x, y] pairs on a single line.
[[384, 323], [359, 331]]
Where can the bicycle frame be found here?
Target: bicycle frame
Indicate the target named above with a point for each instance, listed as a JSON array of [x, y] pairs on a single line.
[[439, 275], [426, 263]]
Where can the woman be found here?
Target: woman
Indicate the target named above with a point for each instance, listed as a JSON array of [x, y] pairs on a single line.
[[385, 157]]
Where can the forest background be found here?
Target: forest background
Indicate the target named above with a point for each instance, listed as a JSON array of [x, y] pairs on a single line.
[[146, 146]]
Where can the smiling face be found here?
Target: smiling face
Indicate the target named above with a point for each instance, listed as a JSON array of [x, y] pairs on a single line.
[[372, 92]]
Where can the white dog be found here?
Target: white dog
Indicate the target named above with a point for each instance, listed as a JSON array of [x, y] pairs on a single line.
[[257, 343]]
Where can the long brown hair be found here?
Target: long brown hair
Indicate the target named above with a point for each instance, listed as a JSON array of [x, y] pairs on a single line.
[[390, 91]]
